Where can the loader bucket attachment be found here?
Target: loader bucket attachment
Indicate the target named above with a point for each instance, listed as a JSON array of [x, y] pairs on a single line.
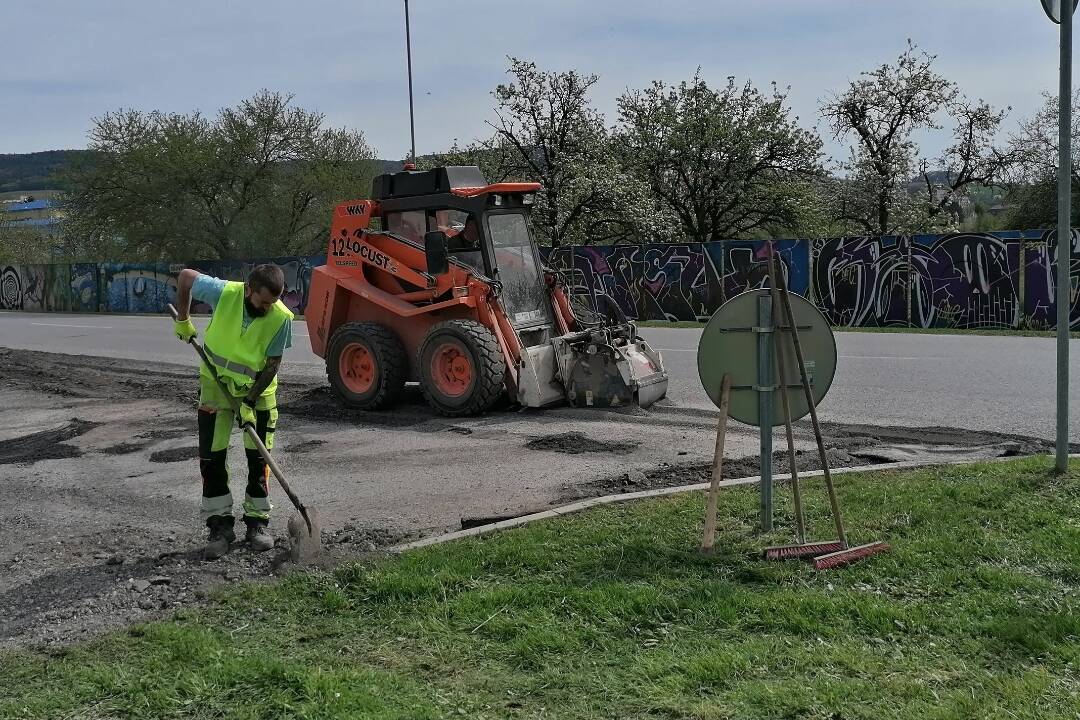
[[611, 367]]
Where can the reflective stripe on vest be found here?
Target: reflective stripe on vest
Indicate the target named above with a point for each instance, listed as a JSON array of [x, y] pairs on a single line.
[[227, 364]]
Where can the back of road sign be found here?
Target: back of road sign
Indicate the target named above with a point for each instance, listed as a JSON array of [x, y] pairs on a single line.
[[1052, 8], [729, 343]]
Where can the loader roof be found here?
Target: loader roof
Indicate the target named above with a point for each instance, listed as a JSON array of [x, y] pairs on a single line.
[[410, 183], [461, 180]]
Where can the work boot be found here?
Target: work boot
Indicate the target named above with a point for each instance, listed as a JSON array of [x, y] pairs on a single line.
[[258, 539], [221, 535]]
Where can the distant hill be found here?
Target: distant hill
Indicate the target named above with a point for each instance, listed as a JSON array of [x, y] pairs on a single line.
[[389, 166], [38, 171]]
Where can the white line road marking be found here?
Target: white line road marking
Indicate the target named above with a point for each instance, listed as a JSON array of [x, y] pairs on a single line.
[[889, 357], [845, 357], [93, 327]]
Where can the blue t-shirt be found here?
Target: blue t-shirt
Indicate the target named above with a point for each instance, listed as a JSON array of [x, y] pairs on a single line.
[[208, 289]]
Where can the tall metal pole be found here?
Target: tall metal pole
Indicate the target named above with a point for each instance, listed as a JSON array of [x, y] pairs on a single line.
[[1064, 235], [408, 56], [765, 387]]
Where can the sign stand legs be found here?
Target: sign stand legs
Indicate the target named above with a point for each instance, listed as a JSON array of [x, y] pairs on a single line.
[[709, 537]]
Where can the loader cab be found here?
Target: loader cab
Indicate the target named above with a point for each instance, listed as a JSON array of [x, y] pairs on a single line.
[[486, 226]]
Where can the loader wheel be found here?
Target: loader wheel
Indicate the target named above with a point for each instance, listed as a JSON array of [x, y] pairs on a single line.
[[462, 368], [366, 365]]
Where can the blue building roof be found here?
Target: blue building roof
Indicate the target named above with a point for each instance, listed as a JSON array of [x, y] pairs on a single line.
[[35, 222], [32, 205]]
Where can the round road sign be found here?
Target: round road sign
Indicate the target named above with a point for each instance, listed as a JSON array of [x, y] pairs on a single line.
[[1052, 8], [729, 343]]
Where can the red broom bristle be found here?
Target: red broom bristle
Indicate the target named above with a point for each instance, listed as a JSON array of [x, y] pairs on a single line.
[[786, 552], [850, 555]]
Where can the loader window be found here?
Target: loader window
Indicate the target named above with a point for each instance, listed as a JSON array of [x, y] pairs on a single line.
[[462, 238], [411, 225], [524, 294]]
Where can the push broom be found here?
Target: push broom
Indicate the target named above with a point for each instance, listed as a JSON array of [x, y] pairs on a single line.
[[829, 553]]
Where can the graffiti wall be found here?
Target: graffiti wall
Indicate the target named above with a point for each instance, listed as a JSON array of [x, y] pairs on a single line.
[[962, 280], [132, 287], [684, 281]]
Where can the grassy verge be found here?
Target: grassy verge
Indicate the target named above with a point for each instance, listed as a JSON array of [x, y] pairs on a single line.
[[613, 614], [923, 331]]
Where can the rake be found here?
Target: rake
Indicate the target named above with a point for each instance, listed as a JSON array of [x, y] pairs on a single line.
[[828, 553]]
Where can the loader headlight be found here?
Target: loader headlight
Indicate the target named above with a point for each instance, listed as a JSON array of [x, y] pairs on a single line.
[[497, 199]]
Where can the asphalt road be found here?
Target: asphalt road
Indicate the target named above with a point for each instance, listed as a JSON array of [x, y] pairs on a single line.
[[1005, 384]]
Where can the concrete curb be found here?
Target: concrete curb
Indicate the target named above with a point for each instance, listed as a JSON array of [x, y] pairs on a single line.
[[581, 505]]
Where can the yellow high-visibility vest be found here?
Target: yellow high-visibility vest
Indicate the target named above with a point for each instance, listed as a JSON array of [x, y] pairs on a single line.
[[238, 353]]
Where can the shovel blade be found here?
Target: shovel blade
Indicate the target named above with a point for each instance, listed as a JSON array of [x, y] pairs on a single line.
[[305, 546]]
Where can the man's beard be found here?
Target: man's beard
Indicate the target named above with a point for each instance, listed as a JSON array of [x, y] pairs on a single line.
[[252, 310]]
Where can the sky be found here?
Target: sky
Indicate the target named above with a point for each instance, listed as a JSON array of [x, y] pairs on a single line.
[[64, 62]]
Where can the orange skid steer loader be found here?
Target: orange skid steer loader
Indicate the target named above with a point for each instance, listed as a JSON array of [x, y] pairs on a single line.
[[448, 290]]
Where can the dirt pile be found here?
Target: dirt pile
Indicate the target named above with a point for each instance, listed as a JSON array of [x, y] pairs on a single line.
[[174, 455], [575, 443]]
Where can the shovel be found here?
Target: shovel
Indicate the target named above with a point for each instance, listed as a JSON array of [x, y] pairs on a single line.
[[305, 540]]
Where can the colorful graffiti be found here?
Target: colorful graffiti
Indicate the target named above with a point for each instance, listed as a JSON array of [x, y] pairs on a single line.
[[132, 287], [962, 280], [684, 281], [33, 288], [85, 293]]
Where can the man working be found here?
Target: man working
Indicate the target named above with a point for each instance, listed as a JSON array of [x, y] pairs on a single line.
[[248, 333]]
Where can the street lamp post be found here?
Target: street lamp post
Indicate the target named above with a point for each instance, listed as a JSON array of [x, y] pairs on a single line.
[[408, 59]]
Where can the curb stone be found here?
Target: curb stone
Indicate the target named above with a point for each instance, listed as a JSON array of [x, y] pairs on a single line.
[[582, 505]]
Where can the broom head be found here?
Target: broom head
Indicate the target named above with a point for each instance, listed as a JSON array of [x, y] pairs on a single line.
[[801, 550], [848, 556]]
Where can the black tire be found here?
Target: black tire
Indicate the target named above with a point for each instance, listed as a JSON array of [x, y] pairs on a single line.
[[391, 365], [476, 343]]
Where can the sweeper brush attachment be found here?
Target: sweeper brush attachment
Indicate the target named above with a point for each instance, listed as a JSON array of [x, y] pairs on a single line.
[[801, 550], [848, 556]]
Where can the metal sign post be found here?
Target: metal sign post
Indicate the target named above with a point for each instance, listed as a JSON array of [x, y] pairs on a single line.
[[1064, 282], [1056, 13], [764, 388]]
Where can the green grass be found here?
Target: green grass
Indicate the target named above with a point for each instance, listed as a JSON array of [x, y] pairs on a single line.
[[844, 328], [614, 614]]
